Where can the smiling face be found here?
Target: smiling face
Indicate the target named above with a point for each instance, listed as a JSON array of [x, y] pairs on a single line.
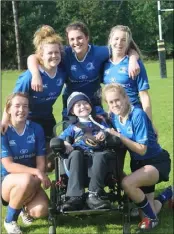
[[18, 110], [78, 42], [117, 103], [81, 109], [50, 55], [119, 42]]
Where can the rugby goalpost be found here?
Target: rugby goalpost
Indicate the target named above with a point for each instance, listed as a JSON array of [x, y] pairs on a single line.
[[160, 43]]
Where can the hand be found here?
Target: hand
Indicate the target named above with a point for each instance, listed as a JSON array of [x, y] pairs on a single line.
[[133, 68], [3, 127], [114, 132], [100, 136], [68, 147], [36, 83], [44, 179]]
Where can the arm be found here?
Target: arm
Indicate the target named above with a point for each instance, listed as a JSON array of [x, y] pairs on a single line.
[[4, 122], [146, 103], [147, 107], [40, 165], [134, 67], [132, 145], [13, 167], [33, 63]]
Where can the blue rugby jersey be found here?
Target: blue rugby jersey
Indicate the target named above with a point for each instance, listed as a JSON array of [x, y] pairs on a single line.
[[25, 147], [138, 128], [84, 76], [118, 73], [41, 103]]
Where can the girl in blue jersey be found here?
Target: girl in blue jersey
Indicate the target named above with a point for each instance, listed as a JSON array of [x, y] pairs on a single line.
[[48, 50], [84, 63], [22, 165], [150, 164], [116, 68]]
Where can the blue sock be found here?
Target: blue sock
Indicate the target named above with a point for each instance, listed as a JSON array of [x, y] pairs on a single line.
[[146, 208], [12, 214], [165, 195]]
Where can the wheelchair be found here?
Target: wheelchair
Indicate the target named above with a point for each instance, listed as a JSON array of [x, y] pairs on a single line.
[[119, 200]]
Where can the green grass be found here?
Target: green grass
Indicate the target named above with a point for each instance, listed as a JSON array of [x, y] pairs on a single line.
[[161, 92]]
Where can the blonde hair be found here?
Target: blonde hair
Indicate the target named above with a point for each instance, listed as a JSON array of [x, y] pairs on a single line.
[[113, 87], [46, 35], [130, 42], [12, 96]]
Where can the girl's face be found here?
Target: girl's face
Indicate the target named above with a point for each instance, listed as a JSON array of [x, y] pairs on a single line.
[[81, 109], [19, 109], [51, 55], [119, 43], [116, 102], [78, 42]]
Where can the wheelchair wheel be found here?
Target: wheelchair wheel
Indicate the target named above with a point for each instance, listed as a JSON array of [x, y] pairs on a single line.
[[52, 230]]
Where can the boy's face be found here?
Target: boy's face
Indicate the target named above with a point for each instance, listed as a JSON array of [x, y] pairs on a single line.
[[81, 109]]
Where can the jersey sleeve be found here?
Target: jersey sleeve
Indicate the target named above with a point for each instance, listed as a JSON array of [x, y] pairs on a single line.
[[5, 149], [68, 132], [23, 83], [40, 141], [140, 128], [142, 79]]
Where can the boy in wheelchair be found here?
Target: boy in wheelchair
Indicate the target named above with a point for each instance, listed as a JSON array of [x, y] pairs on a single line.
[[87, 156]]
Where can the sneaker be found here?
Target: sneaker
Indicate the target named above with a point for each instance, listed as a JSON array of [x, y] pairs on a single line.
[[73, 203], [26, 218], [12, 228], [148, 223], [94, 201]]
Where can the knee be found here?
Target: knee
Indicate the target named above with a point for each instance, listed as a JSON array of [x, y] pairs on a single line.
[[39, 211], [28, 182], [126, 184]]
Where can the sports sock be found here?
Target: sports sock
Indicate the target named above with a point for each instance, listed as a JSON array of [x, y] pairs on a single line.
[[146, 208], [165, 195], [12, 214]]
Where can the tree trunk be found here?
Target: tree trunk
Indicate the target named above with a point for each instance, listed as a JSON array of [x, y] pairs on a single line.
[[16, 25]]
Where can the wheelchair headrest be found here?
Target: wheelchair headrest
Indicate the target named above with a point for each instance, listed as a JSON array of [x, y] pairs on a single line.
[[57, 145]]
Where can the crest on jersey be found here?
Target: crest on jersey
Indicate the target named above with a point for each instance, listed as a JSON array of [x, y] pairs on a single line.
[[31, 139], [90, 66], [73, 68]]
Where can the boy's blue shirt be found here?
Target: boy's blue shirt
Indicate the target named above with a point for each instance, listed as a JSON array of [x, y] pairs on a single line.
[[77, 134]]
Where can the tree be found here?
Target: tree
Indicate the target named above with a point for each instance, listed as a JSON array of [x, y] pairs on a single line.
[[16, 26]]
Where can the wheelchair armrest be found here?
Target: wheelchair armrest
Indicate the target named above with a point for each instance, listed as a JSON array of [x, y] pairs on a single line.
[[57, 145], [112, 141]]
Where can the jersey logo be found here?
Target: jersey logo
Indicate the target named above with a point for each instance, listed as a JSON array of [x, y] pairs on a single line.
[[107, 71], [83, 77], [12, 142], [52, 94], [90, 66], [23, 151], [59, 82], [45, 86], [31, 139], [73, 68], [123, 70], [129, 130]]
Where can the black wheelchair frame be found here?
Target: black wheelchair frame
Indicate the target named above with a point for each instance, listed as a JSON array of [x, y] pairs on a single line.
[[58, 191]]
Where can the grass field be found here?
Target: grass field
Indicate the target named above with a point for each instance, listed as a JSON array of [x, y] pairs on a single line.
[[161, 92]]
